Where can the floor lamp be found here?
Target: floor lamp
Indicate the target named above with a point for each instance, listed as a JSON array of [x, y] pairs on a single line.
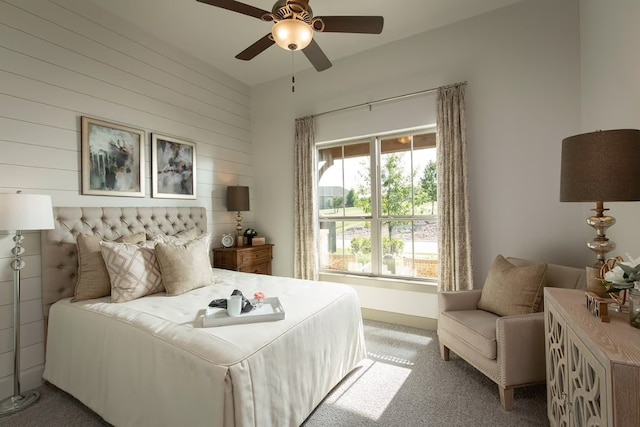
[[21, 212]]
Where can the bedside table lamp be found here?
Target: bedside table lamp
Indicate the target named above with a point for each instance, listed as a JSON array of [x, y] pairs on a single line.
[[21, 212], [238, 200], [602, 166]]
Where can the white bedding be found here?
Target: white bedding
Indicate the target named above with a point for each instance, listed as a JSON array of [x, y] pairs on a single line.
[[149, 362]]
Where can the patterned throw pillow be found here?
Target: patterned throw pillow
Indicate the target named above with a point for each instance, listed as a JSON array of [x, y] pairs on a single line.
[[510, 289], [133, 270], [185, 266], [93, 278]]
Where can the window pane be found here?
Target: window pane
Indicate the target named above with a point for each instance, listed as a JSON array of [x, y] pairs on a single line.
[[425, 248], [345, 246], [344, 183], [397, 256], [330, 182], [425, 181], [357, 242], [331, 256], [410, 248], [396, 180]]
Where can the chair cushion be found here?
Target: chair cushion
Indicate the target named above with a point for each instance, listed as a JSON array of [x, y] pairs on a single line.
[[477, 328], [510, 289]]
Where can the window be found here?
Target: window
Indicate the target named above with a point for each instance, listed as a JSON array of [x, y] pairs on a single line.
[[377, 205]]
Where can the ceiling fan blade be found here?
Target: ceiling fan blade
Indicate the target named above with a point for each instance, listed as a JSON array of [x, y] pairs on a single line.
[[316, 56], [236, 6], [256, 48], [349, 24]]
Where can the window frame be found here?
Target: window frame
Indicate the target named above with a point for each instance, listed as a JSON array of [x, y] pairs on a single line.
[[376, 217]]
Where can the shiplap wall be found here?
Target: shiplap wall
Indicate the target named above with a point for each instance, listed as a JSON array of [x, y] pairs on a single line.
[[62, 59]]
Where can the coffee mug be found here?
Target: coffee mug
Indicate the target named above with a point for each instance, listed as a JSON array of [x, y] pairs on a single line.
[[234, 305]]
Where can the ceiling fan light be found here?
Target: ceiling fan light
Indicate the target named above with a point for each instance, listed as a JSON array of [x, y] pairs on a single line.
[[292, 34]]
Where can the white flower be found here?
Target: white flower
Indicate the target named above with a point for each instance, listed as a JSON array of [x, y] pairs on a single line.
[[615, 276], [624, 275]]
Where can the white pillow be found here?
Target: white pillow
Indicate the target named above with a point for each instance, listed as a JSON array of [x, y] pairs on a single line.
[[133, 270]]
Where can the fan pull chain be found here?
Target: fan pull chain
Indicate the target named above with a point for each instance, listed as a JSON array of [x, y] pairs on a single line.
[[293, 77]]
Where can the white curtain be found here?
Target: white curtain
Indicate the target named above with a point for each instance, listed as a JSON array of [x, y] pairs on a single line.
[[305, 216], [454, 234]]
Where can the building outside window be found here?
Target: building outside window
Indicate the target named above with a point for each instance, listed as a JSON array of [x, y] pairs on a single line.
[[377, 205]]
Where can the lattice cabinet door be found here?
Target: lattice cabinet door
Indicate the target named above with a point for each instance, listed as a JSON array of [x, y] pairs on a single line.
[[557, 398], [593, 367], [587, 380]]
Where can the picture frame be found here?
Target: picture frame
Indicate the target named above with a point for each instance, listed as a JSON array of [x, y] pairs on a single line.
[[173, 168], [112, 159]]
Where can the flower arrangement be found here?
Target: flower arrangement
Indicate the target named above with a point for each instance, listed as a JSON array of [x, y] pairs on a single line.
[[258, 299], [250, 233], [621, 275]]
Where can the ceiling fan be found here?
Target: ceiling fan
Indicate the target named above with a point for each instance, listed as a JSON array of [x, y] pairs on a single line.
[[293, 27]]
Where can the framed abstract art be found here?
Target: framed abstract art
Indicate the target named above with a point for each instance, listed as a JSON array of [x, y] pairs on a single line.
[[173, 168], [112, 159]]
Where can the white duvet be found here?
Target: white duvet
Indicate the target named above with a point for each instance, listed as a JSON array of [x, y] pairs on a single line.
[[149, 362]]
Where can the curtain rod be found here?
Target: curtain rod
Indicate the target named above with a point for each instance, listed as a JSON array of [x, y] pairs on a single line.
[[392, 98]]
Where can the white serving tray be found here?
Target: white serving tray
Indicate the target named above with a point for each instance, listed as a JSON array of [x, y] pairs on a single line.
[[270, 310]]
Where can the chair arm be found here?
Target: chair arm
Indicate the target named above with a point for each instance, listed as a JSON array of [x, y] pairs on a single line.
[[459, 300], [521, 349]]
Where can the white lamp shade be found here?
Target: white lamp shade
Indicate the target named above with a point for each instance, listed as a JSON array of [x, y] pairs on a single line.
[[291, 34], [25, 212]]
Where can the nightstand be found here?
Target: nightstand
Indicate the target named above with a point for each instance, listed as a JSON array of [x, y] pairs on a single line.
[[248, 259]]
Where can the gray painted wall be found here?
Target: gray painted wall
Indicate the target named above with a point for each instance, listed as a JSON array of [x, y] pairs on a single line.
[[611, 96], [522, 65]]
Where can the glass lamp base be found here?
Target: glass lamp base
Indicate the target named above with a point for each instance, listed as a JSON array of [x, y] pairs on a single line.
[[14, 404]]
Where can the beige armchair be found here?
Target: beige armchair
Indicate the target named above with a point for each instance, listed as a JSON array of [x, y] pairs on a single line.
[[510, 350]]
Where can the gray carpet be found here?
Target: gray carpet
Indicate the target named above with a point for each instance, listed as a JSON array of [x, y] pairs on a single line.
[[403, 383]]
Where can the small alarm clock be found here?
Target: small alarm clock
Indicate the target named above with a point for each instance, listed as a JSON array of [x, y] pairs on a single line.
[[227, 240]]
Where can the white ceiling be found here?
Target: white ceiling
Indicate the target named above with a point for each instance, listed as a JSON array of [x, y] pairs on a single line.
[[216, 35]]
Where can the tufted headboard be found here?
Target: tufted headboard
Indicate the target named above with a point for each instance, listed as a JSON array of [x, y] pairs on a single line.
[[59, 250]]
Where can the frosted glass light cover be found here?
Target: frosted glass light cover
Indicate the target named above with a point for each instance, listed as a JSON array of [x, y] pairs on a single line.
[[291, 34]]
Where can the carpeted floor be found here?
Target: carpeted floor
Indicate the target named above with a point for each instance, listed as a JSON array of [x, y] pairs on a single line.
[[403, 383]]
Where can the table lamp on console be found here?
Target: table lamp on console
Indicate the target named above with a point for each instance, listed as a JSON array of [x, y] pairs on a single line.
[[238, 200], [601, 166]]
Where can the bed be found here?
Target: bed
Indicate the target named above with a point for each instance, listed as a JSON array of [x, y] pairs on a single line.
[[149, 361]]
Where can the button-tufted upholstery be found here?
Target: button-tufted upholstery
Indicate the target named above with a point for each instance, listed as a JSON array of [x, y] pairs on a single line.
[[59, 251]]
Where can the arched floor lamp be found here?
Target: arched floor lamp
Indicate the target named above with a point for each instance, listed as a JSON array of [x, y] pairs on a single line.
[[21, 212]]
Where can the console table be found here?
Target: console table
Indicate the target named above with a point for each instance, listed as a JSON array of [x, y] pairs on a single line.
[[248, 259], [593, 367]]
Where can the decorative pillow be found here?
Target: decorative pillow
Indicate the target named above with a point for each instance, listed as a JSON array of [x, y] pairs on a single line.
[[133, 270], [93, 278], [185, 266], [180, 237], [509, 289]]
